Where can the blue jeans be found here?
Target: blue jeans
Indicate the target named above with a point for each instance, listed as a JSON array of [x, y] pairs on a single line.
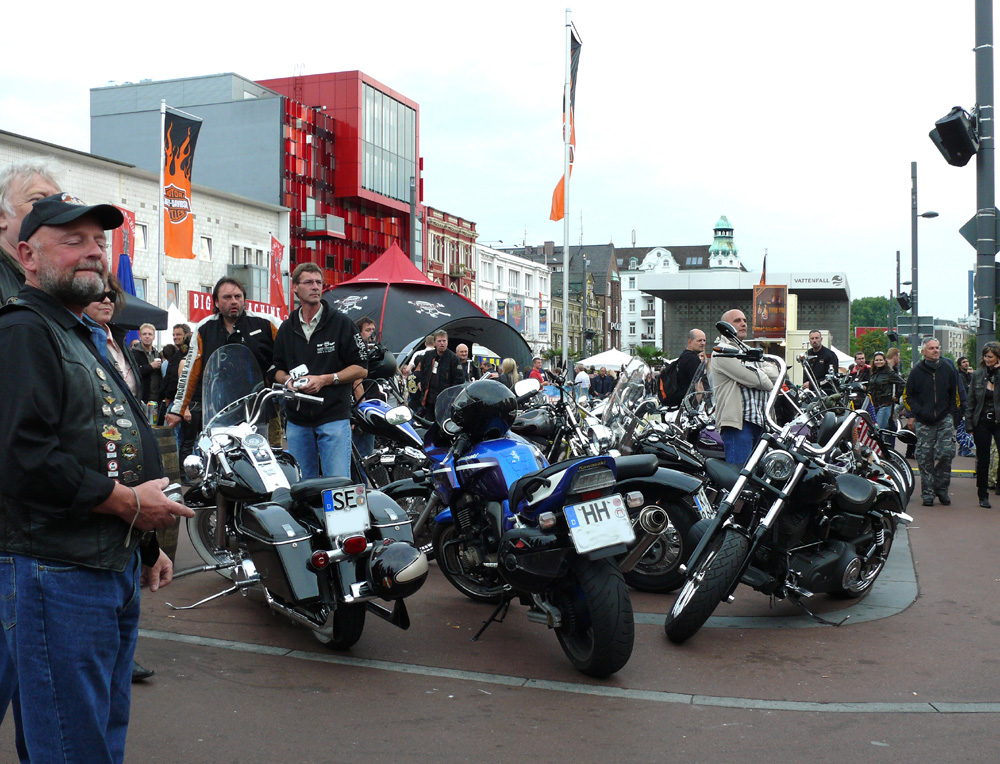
[[71, 634], [739, 443], [327, 444], [364, 442], [882, 418]]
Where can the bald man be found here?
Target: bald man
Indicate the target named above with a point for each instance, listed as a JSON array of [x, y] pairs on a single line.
[[741, 389], [470, 371]]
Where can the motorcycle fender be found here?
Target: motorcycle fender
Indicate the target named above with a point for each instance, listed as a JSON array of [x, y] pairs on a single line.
[[388, 518], [444, 517], [670, 485], [532, 560]]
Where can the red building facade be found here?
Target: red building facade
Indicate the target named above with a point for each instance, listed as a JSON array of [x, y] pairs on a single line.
[[450, 251], [351, 153]]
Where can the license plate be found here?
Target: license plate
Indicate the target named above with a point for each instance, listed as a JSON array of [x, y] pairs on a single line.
[[599, 523], [346, 511], [705, 508]]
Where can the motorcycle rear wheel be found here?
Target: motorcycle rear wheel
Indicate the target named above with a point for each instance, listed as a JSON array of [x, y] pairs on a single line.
[[707, 585], [658, 569], [598, 631], [485, 587], [865, 580], [345, 627], [413, 499], [201, 531]]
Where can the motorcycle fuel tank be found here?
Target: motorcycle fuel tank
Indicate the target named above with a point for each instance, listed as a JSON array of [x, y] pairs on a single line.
[[492, 466]]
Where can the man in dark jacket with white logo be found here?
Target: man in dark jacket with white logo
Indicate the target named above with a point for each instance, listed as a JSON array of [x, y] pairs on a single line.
[[318, 351], [439, 370], [932, 394]]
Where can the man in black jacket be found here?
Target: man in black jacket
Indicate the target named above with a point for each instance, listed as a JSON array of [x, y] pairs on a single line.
[[690, 360], [438, 370], [821, 359], [318, 351], [21, 184], [80, 481], [931, 394], [470, 370], [149, 363]]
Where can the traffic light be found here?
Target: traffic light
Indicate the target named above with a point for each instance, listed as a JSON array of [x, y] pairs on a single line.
[[955, 137], [904, 301], [892, 336]]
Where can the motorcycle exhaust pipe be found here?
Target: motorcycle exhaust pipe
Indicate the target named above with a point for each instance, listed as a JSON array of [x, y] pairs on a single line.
[[294, 615], [651, 522]]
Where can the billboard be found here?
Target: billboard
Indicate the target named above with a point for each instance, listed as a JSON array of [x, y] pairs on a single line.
[[769, 305]]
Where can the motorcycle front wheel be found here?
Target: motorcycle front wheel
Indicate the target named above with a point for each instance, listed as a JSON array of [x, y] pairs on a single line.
[[598, 631], [905, 472], [484, 586], [658, 569], [201, 531], [344, 629], [707, 585]]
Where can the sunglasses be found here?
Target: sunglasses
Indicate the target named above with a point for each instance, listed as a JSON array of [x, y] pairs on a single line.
[[107, 296]]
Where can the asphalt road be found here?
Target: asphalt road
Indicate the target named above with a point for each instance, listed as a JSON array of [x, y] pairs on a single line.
[[910, 677]]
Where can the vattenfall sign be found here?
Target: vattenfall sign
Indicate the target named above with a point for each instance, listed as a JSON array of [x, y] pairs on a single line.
[[819, 281]]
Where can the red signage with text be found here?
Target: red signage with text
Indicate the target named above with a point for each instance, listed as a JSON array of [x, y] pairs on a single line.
[[859, 330], [200, 306]]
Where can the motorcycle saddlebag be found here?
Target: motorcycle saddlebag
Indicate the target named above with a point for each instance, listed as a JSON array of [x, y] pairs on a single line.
[[530, 559], [389, 520], [279, 547]]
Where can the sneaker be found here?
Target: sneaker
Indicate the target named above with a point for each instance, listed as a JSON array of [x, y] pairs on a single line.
[[929, 502], [945, 499]]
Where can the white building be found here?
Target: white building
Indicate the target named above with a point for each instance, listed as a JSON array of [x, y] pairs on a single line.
[[231, 234], [642, 314], [516, 290]]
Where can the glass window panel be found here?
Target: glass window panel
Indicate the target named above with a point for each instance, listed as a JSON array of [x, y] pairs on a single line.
[[393, 123]]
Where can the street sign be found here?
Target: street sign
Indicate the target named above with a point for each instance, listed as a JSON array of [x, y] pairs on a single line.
[[970, 233]]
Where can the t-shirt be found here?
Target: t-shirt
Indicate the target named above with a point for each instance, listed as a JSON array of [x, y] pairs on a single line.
[[583, 380]]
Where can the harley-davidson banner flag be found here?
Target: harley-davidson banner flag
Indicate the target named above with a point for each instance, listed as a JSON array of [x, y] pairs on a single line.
[[123, 239], [277, 292], [559, 195], [180, 137]]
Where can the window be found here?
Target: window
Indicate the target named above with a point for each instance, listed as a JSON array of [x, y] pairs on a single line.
[[206, 248], [140, 288], [529, 320], [500, 277], [141, 242], [247, 255], [259, 257], [207, 288], [173, 292], [527, 283], [633, 263], [631, 328], [631, 282], [515, 281], [631, 306], [234, 254]]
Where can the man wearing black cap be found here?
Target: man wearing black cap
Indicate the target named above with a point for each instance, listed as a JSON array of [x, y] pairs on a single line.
[[80, 484]]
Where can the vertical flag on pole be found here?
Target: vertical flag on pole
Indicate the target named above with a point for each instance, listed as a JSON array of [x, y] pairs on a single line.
[[123, 239], [763, 270], [180, 136], [277, 292], [559, 195]]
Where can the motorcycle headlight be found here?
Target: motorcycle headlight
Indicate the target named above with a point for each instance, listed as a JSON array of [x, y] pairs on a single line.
[[194, 466], [778, 465], [600, 436]]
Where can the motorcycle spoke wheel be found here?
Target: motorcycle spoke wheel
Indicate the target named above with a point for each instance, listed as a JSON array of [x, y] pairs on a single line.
[[861, 582], [483, 585], [344, 628], [201, 531], [658, 569], [707, 586], [598, 631]]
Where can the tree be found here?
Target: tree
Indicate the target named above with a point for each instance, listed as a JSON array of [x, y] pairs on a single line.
[[869, 342], [871, 311], [650, 354]]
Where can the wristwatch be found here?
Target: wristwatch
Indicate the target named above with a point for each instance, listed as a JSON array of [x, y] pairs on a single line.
[[336, 378]]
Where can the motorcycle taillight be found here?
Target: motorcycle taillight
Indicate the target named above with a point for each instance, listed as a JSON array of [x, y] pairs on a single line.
[[354, 544]]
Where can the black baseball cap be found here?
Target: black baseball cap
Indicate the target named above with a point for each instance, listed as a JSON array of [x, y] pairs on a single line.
[[64, 208]]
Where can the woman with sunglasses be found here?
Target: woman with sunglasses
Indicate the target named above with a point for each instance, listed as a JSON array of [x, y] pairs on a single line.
[[884, 387], [982, 415]]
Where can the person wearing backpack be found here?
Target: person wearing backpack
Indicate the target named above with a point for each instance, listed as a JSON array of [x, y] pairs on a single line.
[[675, 377]]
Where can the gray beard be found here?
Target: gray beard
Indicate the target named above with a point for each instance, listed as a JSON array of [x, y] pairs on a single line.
[[69, 290]]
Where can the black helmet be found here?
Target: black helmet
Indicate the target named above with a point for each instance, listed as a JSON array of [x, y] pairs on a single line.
[[538, 422], [381, 363], [396, 569], [485, 409]]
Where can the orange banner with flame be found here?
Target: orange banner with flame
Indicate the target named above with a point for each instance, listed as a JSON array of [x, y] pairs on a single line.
[[180, 137]]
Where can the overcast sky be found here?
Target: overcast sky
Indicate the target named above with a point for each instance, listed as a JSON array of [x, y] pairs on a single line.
[[797, 120]]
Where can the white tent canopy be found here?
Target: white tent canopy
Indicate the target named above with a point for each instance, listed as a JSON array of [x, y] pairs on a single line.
[[612, 359], [845, 361], [174, 317]]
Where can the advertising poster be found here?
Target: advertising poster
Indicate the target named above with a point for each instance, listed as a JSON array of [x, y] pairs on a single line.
[[769, 305]]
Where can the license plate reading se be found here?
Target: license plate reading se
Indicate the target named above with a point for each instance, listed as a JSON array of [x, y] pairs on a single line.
[[346, 511], [599, 523]]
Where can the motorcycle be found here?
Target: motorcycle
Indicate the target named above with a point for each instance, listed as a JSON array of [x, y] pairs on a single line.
[[793, 524], [322, 551], [515, 527]]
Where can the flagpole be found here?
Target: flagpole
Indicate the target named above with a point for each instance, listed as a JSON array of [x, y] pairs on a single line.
[[159, 226], [567, 135]]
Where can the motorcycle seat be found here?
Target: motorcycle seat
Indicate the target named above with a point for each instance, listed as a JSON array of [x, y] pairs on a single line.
[[535, 480], [309, 491], [722, 473], [638, 466], [854, 494]]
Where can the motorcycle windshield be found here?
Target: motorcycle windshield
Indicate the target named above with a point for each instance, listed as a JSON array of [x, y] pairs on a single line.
[[629, 392], [442, 406], [231, 373]]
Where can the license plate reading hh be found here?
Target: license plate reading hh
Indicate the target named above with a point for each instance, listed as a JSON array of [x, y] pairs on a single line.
[[599, 523], [346, 511]]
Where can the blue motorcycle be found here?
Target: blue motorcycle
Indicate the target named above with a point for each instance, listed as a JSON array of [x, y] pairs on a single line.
[[515, 527]]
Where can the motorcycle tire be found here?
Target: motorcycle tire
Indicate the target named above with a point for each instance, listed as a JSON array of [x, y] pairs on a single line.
[[413, 499], [901, 464], [487, 588], [201, 531], [658, 569], [345, 627], [707, 585], [598, 631], [870, 571]]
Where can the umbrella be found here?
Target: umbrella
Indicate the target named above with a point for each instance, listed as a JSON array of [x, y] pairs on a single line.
[[136, 312], [406, 306]]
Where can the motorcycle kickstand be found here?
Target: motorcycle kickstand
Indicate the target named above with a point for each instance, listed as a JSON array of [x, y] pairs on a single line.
[[818, 618], [501, 610], [231, 590]]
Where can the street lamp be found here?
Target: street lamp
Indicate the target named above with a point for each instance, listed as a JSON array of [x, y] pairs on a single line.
[[914, 215]]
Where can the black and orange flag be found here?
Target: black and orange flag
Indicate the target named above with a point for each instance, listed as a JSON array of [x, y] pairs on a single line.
[[559, 195], [180, 136]]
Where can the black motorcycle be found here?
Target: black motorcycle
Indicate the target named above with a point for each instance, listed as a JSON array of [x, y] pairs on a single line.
[[794, 523]]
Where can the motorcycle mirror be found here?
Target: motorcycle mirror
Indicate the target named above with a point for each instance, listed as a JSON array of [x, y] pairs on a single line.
[[726, 329], [194, 466], [526, 386]]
